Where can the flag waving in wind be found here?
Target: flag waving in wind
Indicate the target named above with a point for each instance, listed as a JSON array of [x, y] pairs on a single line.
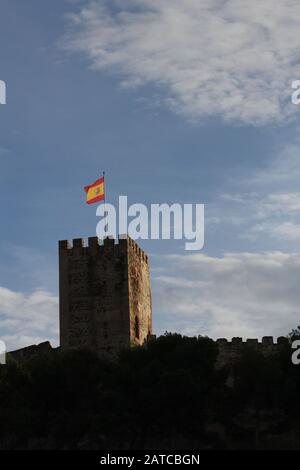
[[95, 192]]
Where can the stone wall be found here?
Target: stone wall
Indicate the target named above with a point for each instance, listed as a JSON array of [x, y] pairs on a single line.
[[230, 351], [140, 304], [105, 294], [31, 351]]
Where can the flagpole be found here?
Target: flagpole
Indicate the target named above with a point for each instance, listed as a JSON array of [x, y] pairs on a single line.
[[105, 226]]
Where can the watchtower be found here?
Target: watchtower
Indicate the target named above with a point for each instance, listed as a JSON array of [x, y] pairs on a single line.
[[105, 294]]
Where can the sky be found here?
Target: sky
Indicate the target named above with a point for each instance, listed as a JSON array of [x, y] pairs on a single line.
[[182, 101]]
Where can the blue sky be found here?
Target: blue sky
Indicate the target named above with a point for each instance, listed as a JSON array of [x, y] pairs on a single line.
[[180, 101]]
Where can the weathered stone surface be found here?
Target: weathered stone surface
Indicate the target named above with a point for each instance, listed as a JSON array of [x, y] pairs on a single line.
[[230, 351], [105, 294], [31, 351]]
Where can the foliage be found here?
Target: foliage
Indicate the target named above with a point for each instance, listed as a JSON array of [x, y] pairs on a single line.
[[171, 387]]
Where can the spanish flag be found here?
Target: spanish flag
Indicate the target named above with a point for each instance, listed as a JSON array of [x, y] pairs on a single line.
[[95, 192]]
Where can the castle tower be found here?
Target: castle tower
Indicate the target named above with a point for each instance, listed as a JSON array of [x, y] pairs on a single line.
[[105, 294]]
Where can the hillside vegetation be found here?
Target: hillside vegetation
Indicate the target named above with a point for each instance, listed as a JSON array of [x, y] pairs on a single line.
[[166, 395]]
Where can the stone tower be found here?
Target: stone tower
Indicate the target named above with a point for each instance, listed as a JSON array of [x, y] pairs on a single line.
[[105, 294]]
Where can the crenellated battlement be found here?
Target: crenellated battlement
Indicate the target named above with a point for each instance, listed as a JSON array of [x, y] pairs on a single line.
[[137, 249], [266, 341], [94, 245], [229, 351], [105, 293]]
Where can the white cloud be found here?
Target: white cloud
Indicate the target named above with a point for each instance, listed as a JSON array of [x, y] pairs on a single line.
[[232, 58], [281, 230], [265, 205], [278, 203], [256, 216], [283, 170], [239, 294], [281, 203], [28, 319]]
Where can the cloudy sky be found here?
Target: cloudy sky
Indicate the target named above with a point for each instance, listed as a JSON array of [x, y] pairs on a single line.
[[183, 101]]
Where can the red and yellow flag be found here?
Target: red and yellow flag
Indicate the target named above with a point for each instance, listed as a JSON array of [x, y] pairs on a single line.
[[95, 192]]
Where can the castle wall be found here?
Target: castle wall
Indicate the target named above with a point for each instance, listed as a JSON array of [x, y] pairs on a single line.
[[31, 351], [230, 351], [103, 288], [140, 303]]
